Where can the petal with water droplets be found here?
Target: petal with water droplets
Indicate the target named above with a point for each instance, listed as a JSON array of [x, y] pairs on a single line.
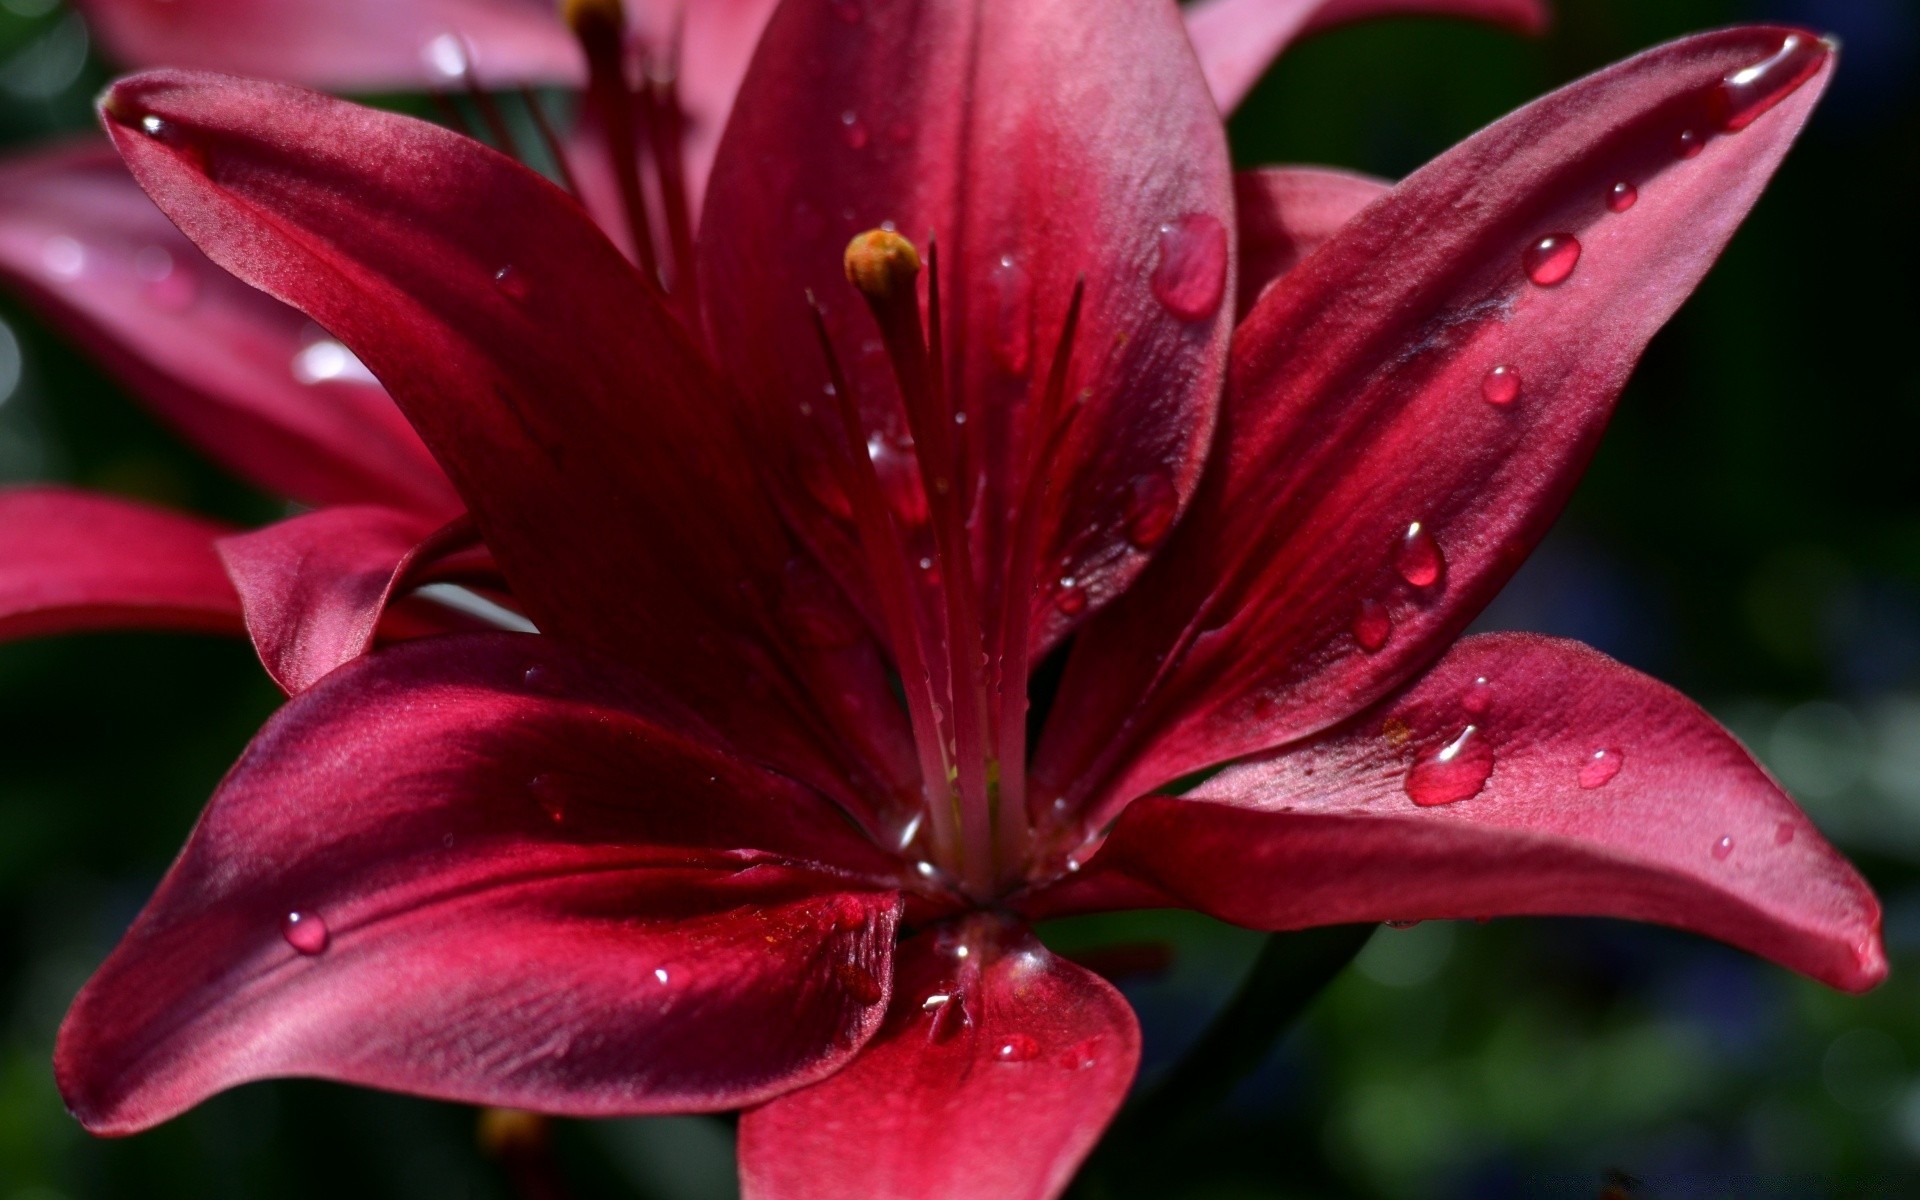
[[1684, 832], [475, 948], [72, 561], [1357, 409], [571, 410], [249, 380], [992, 1078]]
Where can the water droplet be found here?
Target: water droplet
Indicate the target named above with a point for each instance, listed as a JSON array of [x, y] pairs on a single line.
[[1420, 561], [1016, 1048], [859, 983], [1150, 510], [1600, 768], [948, 1017], [546, 793], [536, 676], [1550, 261], [1454, 772], [1501, 386], [1623, 197], [660, 976], [305, 932], [1688, 144], [1082, 1056], [1071, 598], [1747, 93], [852, 132], [153, 126], [1479, 697], [1012, 337], [1783, 833], [512, 282], [63, 257], [1372, 626], [1723, 848], [1191, 277]]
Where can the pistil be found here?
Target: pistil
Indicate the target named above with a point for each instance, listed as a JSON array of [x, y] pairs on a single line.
[[884, 267]]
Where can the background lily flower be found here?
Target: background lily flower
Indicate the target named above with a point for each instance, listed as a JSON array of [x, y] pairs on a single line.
[[659, 858], [275, 399]]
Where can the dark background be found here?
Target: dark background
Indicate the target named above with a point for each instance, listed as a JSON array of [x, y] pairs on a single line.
[[1750, 532]]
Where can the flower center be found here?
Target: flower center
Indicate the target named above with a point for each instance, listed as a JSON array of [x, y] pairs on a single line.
[[963, 657]]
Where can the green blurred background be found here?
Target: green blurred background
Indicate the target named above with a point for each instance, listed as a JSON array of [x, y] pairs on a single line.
[[1750, 532]]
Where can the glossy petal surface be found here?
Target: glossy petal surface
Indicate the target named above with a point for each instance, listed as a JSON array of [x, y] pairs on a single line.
[[1037, 143], [1237, 40], [1369, 500], [991, 1080], [1286, 213], [567, 405], [1682, 828], [529, 893], [71, 561], [347, 45], [249, 380]]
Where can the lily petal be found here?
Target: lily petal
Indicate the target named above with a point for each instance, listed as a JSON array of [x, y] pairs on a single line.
[[71, 561], [1286, 213], [993, 1077], [520, 882], [569, 408], [1522, 775], [343, 45], [1237, 40], [315, 587], [1407, 411], [1040, 143], [248, 379]]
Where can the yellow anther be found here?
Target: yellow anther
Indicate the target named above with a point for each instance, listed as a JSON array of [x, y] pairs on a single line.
[[582, 15], [882, 264]]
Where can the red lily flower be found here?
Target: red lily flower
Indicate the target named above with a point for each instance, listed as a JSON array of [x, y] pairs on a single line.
[[267, 394], [657, 857]]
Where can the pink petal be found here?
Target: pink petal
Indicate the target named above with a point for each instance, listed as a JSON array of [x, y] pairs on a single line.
[[569, 408], [991, 1080], [1380, 477], [346, 45], [315, 587], [520, 882], [248, 379], [1237, 40], [71, 561], [1286, 213], [1039, 143], [1600, 792]]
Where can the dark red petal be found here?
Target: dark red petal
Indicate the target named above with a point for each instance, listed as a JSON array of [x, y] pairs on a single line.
[[314, 587], [1286, 213], [504, 854], [346, 45], [71, 561], [250, 380], [595, 447], [1600, 792], [1367, 396], [1039, 143], [1237, 40], [992, 1078]]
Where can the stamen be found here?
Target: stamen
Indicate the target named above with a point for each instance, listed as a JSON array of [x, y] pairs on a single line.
[[601, 27], [884, 267], [1044, 437], [496, 124], [660, 97], [886, 562]]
